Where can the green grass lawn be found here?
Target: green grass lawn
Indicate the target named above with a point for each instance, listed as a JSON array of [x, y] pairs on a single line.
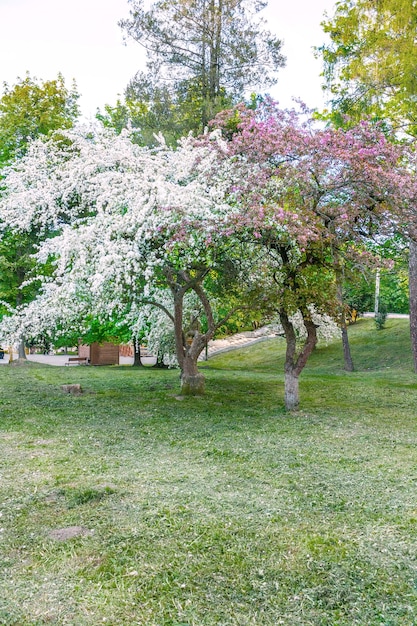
[[222, 510]]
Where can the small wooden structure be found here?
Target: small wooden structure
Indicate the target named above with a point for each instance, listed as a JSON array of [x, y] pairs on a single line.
[[100, 353]]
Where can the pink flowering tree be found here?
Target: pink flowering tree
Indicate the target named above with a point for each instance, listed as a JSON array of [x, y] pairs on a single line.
[[310, 197]]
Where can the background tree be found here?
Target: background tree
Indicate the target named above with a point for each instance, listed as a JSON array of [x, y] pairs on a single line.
[[370, 69], [28, 109], [369, 65], [31, 108], [360, 286], [147, 109], [202, 56]]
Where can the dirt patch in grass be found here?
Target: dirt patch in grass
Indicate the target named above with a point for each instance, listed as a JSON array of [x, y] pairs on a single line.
[[74, 389], [70, 532]]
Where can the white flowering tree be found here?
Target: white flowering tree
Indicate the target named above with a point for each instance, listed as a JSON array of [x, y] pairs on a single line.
[[124, 226]]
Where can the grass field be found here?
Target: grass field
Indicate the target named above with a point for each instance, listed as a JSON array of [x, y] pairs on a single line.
[[222, 510]]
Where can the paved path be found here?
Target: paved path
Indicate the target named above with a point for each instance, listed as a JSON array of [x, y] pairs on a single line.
[[240, 340], [390, 315], [216, 346]]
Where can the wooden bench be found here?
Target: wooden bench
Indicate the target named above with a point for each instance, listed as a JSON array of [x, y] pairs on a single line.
[[77, 360]]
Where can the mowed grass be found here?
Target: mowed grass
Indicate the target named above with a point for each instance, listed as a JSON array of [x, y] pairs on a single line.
[[222, 510]]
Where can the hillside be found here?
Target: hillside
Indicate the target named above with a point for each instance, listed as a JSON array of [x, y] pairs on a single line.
[[130, 505]]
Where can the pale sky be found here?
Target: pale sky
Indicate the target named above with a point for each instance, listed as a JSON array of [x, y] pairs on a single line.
[[81, 40]]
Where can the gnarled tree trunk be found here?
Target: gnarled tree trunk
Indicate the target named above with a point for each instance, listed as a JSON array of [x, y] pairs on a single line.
[[190, 343], [294, 364], [192, 380]]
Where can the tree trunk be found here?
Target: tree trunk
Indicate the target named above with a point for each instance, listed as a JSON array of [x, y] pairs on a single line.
[[160, 361], [189, 341], [291, 393], [21, 350], [346, 349], [21, 354], [294, 364], [343, 325], [192, 381], [137, 361], [412, 280]]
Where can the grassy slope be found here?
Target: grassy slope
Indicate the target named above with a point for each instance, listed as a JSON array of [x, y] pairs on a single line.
[[215, 511]]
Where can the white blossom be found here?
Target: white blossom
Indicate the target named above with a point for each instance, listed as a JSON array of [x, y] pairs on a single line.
[[117, 211]]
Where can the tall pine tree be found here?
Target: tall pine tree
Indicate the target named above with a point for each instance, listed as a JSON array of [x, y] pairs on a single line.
[[202, 56]]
